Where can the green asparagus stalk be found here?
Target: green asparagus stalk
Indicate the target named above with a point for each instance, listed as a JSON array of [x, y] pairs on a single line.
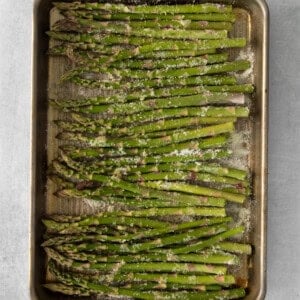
[[139, 190], [215, 17], [170, 267], [211, 168], [77, 50], [66, 228], [180, 238], [187, 176], [198, 246], [90, 26], [152, 93], [139, 202], [176, 102], [172, 287], [234, 247], [175, 63], [145, 9], [158, 24], [90, 153], [161, 127], [193, 189], [183, 156], [113, 73], [98, 288], [143, 45], [104, 141], [140, 235], [214, 258]]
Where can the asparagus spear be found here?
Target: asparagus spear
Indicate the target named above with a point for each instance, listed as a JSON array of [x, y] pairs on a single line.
[[157, 24], [150, 64], [186, 176], [151, 93], [141, 9], [180, 238], [92, 14], [139, 235], [211, 168], [193, 189], [215, 258], [113, 73], [66, 228], [144, 45], [74, 51], [139, 202], [98, 288], [90, 26], [161, 127], [234, 247], [145, 192], [183, 156], [224, 280], [172, 287], [147, 116], [90, 153], [208, 242], [170, 267], [91, 81]]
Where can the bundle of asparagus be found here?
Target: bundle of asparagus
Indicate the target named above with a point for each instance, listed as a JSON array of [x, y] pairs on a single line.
[[151, 153]]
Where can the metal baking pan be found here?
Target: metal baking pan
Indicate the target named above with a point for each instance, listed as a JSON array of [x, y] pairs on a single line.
[[252, 22]]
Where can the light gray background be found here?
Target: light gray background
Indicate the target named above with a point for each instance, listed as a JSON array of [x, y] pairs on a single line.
[[284, 149]]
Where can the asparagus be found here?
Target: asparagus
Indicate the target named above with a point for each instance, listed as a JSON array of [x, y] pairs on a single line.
[[234, 247], [193, 189], [180, 238], [90, 153], [150, 64], [175, 157], [143, 45], [145, 192], [150, 150], [211, 168], [72, 290], [160, 127], [214, 258], [98, 288], [208, 242], [187, 176], [172, 287], [170, 93], [104, 141], [139, 202], [215, 17], [153, 93], [141, 9], [90, 80], [139, 235], [113, 73], [157, 24], [147, 116], [187, 102], [74, 51], [66, 228], [90, 26], [170, 267]]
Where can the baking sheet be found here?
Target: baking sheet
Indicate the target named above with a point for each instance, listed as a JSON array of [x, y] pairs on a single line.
[[252, 23]]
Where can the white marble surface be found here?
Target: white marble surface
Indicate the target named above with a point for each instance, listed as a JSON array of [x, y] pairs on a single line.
[[284, 180]]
